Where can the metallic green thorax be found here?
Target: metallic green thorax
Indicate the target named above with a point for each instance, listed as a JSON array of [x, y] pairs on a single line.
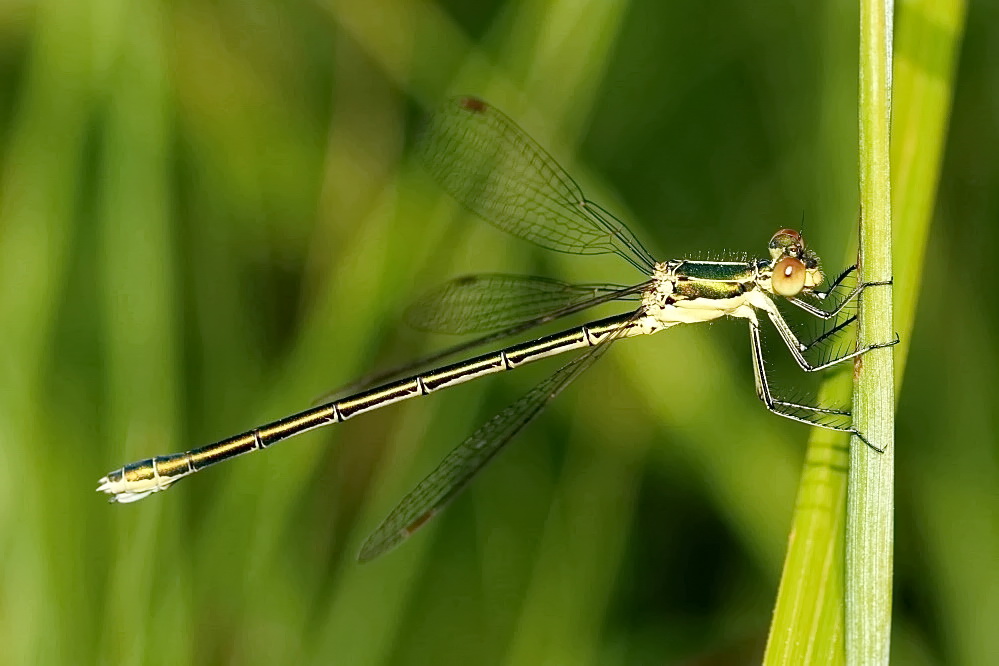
[[711, 279], [722, 271]]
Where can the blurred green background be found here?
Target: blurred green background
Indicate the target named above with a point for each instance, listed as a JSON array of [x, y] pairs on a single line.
[[208, 218]]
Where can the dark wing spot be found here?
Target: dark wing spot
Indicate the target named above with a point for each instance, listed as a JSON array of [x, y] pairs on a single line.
[[473, 104], [419, 522]]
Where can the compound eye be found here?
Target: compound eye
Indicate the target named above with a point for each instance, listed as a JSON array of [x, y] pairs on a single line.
[[786, 237], [789, 277], [786, 242]]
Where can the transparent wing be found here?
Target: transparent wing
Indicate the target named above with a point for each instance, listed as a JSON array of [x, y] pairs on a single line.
[[491, 166], [461, 465], [375, 378], [491, 301]]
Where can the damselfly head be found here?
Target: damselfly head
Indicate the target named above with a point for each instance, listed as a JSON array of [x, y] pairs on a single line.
[[796, 268]]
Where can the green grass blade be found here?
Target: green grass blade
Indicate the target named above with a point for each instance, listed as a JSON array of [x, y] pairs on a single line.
[[870, 500], [808, 617]]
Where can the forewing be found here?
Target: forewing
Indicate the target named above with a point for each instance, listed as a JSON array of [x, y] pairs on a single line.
[[491, 166], [488, 302]]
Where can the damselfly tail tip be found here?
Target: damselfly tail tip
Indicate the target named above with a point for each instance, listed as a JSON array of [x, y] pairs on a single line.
[[114, 485], [106, 485]]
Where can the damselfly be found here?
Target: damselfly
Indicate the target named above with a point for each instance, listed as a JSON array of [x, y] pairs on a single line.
[[495, 169]]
